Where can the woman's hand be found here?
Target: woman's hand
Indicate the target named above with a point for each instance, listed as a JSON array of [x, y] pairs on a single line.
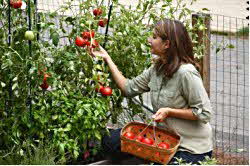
[[161, 114], [101, 53]]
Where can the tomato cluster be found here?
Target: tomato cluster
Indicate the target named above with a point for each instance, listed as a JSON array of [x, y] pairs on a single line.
[[103, 21], [148, 141], [85, 40]]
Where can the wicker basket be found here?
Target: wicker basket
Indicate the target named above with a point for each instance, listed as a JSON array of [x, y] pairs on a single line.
[[149, 152]]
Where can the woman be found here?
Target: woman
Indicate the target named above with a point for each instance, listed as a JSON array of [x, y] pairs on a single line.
[[177, 93]]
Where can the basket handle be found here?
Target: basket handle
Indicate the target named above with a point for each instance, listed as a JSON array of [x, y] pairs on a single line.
[[154, 124], [146, 127]]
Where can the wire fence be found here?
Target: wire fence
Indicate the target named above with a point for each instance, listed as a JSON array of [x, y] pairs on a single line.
[[229, 88]]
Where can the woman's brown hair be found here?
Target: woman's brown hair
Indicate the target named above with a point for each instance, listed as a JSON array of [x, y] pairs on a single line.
[[180, 47]]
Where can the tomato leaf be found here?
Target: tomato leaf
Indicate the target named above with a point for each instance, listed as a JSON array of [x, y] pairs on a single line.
[[14, 86], [3, 84], [98, 135], [14, 79]]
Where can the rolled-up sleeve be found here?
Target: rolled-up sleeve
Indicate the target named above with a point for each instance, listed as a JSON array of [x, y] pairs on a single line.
[[196, 95], [139, 84]]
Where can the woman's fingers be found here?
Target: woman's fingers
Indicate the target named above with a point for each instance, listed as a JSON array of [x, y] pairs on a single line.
[[157, 116], [160, 115], [101, 53]]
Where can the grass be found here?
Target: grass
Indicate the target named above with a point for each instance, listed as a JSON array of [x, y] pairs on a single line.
[[42, 154]]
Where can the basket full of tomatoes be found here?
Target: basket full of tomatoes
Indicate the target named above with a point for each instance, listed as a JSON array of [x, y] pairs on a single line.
[[149, 142]]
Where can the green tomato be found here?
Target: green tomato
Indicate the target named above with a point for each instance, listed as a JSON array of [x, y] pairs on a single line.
[[201, 27], [82, 25], [29, 35]]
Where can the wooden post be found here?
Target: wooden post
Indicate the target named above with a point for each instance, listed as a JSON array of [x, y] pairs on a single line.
[[204, 39]]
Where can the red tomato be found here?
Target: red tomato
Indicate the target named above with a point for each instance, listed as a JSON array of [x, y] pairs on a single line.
[[102, 22], [157, 154], [164, 145], [139, 149], [16, 3], [148, 141], [88, 35], [95, 44], [44, 85], [100, 88], [129, 135], [45, 76], [80, 41], [86, 155], [97, 12], [85, 43], [139, 138], [106, 91]]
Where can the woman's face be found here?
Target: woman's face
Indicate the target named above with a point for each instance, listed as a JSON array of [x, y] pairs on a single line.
[[158, 46]]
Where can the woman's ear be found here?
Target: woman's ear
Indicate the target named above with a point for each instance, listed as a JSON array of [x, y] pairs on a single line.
[[167, 44]]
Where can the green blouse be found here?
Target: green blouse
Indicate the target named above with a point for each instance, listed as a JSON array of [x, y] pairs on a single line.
[[184, 90]]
